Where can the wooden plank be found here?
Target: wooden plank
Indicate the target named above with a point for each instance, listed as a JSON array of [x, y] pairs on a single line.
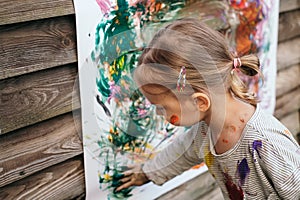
[[289, 25], [26, 10], [62, 181], [288, 103], [29, 150], [28, 99], [292, 122], [28, 47], [288, 5], [288, 53], [199, 187], [287, 80]]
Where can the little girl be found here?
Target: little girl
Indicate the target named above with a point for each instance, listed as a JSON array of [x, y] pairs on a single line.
[[188, 72]]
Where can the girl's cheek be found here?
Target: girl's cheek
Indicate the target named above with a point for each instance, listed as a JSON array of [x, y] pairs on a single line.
[[174, 119]]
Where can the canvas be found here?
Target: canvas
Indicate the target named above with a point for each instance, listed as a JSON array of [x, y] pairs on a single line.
[[120, 126]]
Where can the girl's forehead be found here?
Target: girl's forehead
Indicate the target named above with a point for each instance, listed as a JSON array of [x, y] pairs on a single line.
[[154, 89], [158, 95]]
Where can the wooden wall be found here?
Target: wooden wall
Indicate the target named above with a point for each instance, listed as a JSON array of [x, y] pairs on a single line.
[[41, 150]]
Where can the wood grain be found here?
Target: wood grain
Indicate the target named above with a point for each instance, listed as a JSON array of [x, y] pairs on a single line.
[[289, 25], [288, 53], [292, 122], [62, 181], [27, 10], [29, 150], [31, 98], [288, 103], [287, 80], [288, 5], [32, 46], [198, 188]]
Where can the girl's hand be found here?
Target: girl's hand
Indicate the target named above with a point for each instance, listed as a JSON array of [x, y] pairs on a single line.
[[134, 176]]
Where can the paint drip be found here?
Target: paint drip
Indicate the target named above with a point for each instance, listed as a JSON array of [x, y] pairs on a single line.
[[234, 192]]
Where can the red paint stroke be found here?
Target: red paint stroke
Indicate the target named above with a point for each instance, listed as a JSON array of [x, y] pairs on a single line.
[[234, 192], [243, 171], [174, 119]]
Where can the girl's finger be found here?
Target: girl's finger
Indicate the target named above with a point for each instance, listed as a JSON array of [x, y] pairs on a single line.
[[128, 173], [126, 185], [126, 179]]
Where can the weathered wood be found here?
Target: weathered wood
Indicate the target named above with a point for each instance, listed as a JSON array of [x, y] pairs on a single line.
[[28, 47], [288, 5], [62, 181], [197, 188], [288, 53], [288, 103], [289, 25], [37, 147], [26, 10], [292, 122], [28, 99], [287, 80]]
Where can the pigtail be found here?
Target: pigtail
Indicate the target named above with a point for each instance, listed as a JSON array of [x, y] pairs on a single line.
[[248, 65]]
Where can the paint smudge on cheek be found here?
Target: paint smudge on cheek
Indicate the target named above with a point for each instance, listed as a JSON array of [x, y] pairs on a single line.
[[256, 145], [243, 171], [234, 192], [174, 119]]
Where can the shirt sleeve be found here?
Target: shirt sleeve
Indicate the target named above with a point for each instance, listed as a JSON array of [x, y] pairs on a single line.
[[176, 158], [280, 160]]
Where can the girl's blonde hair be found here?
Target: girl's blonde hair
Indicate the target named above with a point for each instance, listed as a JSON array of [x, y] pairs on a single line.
[[205, 54]]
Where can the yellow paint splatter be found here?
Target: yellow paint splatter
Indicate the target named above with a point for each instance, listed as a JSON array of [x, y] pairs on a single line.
[[208, 158], [107, 177]]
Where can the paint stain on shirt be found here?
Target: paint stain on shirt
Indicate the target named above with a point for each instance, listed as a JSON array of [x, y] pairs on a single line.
[[256, 145], [208, 159], [243, 171], [234, 192]]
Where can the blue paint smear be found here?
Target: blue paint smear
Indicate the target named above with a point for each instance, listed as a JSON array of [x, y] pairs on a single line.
[[256, 145], [243, 171]]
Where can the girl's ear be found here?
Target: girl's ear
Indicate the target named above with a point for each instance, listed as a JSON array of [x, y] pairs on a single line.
[[202, 101]]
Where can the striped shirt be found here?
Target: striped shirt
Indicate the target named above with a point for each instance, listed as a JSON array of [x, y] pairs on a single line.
[[264, 164]]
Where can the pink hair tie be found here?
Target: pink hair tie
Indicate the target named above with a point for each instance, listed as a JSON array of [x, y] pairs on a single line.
[[237, 63]]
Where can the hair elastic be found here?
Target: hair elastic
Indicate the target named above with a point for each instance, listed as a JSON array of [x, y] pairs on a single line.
[[181, 79], [236, 64]]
